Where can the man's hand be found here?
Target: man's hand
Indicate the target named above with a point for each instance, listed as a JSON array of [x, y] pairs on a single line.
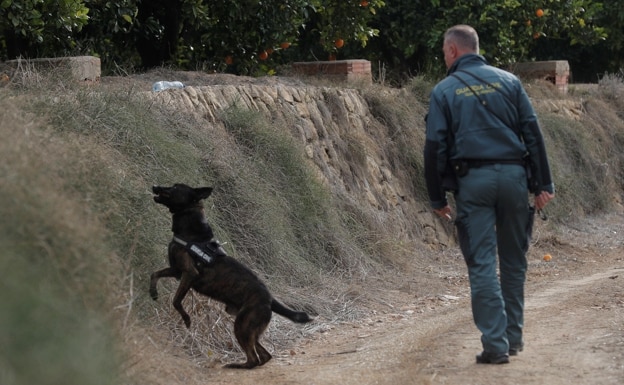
[[542, 199], [444, 213]]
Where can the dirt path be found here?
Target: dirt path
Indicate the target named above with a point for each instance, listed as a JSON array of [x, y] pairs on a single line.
[[574, 334]]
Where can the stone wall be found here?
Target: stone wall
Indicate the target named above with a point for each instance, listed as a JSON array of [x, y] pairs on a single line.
[[347, 145]]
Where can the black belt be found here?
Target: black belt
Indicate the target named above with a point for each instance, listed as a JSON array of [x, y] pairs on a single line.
[[475, 163]]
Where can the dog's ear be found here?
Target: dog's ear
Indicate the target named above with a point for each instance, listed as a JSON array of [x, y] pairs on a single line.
[[203, 192]]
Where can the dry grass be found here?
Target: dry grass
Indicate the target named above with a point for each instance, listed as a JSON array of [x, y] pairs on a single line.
[[585, 149], [60, 272], [78, 162]]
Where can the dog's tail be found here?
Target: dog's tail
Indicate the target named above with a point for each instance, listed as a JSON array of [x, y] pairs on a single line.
[[295, 316]]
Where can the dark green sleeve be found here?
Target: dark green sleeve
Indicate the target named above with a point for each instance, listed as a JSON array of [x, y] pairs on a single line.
[[534, 141]]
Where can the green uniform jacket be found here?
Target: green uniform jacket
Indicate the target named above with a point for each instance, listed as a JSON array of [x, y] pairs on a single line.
[[459, 127]]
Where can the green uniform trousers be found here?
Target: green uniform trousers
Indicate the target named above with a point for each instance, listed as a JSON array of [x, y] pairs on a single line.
[[493, 217]]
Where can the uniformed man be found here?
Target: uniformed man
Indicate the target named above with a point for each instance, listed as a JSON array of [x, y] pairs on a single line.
[[481, 132]]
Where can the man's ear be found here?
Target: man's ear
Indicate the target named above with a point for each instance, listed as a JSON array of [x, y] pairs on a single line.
[[203, 192], [453, 50]]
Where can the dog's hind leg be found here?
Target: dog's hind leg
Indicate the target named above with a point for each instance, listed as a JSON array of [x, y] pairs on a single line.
[[248, 327], [164, 273], [247, 341], [231, 310], [263, 354]]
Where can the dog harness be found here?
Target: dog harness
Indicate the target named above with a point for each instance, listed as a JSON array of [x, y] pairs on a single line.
[[204, 251]]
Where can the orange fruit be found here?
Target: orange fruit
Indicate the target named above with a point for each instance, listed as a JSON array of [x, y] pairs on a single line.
[[339, 43], [364, 3], [547, 257], [285, 45], [263, 55], [229, 60], [536, 35], [269, 51], [539, 13]]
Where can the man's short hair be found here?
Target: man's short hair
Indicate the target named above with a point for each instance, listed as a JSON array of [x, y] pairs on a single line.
[[464, 36]]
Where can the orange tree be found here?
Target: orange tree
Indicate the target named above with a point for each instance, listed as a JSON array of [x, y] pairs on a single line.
[[256, 36], [242, 36], [411, 31], [509, 29], [39, 27], [332, 25], [612, 18], [111, 33], [588, 62]]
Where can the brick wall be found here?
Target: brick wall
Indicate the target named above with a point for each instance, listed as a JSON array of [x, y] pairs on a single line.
[[555, 71], [342, 70]]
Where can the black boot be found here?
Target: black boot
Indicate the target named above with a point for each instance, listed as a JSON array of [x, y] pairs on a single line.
[[492, 358]]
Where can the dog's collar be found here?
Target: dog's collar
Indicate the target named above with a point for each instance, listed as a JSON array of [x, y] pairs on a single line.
[[206, 251], [180, 241], [195, 249], [188, 209], [185, 243]]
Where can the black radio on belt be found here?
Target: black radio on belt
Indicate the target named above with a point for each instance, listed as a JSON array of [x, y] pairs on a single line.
[[460, 167]]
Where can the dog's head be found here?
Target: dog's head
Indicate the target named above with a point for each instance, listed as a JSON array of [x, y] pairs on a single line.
[[180, 196]]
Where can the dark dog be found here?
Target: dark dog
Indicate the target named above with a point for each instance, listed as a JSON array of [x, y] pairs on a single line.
[[199, 262]]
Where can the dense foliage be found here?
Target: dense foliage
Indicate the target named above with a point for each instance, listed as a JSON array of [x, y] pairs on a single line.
[[257, 36]]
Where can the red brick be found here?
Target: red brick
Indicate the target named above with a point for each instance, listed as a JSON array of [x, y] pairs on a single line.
[[346, 70]]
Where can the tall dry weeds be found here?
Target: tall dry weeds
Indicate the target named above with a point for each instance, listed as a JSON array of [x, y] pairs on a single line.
[[78, 218]]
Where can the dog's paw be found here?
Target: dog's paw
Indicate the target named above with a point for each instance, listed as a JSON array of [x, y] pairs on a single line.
[[245, 365], [154, 294], [187, 320]]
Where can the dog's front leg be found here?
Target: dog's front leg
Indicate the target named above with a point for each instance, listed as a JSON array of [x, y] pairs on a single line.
[[164, 273], [185, 285]]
